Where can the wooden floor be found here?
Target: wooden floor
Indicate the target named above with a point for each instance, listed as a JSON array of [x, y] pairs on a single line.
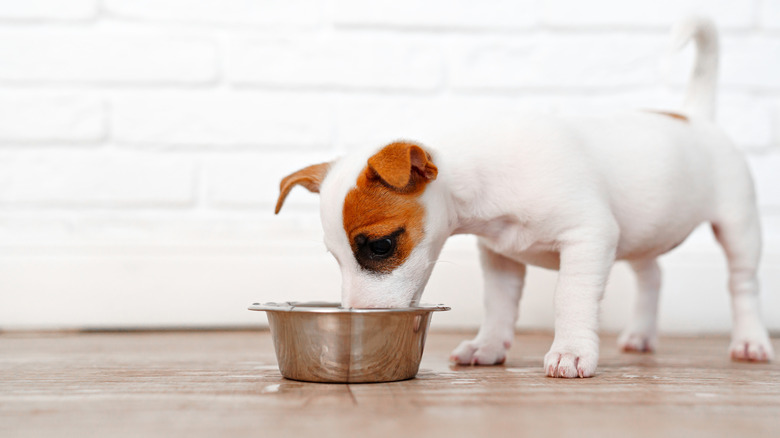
[[226, 384]]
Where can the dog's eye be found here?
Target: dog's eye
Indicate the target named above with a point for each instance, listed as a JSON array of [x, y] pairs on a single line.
[[381, 247], [372, 254]]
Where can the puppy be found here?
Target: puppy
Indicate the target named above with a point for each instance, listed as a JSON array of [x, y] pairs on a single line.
[[565, 193]]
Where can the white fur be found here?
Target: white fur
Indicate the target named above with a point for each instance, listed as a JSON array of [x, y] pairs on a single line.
[[700, 97], [574, 194]]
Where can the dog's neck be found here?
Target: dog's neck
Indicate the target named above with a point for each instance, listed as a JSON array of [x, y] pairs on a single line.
[[461, 204]]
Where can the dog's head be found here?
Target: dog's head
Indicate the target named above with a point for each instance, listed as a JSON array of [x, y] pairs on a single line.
[[382, 221]]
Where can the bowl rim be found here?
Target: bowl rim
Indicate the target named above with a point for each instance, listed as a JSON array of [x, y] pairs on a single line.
[[334, 307]]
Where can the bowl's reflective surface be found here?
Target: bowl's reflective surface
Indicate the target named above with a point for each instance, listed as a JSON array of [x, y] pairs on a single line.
[[322, 342]]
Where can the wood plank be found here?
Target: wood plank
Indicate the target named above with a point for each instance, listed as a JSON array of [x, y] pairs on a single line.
[[227, 384]]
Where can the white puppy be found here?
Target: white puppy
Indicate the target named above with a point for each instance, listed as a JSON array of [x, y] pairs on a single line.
[[573, 194]]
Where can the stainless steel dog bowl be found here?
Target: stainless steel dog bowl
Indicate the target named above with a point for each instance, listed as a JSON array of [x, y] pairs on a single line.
[[322, 342]]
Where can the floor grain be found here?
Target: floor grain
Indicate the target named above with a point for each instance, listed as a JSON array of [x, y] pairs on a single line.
[[227, 384]]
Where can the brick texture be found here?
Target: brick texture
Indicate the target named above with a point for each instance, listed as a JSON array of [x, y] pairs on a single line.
[[48, 9], [47, 178], [139, 131], [554, 62], [745, 63], [51, 118], [252, 180], [98, 58], [248, 119], [438, 14], [766, 173], [657, 14], [770, 14], [352, 63], [267, 13]]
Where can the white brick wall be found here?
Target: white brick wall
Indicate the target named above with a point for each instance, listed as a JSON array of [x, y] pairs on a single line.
[[93, 57], [342, 62], [543, 61], [491, 15], [217, 119], [55, 118], [232, 13], [48, 9], [48, 178], [769, 13], [142, 141], [730, 14]]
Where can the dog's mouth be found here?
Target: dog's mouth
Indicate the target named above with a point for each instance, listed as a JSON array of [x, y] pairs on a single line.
[[381, 305]]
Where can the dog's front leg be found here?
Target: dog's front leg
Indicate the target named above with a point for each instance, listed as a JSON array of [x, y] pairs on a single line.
[[584, 268], [504, 280]]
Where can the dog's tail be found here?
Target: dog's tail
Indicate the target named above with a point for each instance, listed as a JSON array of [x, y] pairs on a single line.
[[700, 95]]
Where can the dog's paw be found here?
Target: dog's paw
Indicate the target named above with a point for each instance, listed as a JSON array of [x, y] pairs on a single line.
[[571, 362], [637, 342], [752, 349], [480, 352]]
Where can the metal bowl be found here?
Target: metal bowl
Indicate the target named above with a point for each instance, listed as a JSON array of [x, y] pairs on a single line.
[[323, 342]]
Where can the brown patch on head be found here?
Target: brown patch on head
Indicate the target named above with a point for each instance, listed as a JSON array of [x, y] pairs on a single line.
[[670, 114], [383, 217], [310, 177]]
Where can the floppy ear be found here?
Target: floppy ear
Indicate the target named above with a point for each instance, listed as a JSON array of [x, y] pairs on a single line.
[[310, 177], [397, 164]]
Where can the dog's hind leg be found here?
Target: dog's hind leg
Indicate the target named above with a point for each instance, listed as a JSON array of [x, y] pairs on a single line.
[[504, 280], [641, 334], [740, 235]]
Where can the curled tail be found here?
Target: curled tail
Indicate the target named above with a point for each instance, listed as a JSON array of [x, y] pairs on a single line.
[[700, 95]]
